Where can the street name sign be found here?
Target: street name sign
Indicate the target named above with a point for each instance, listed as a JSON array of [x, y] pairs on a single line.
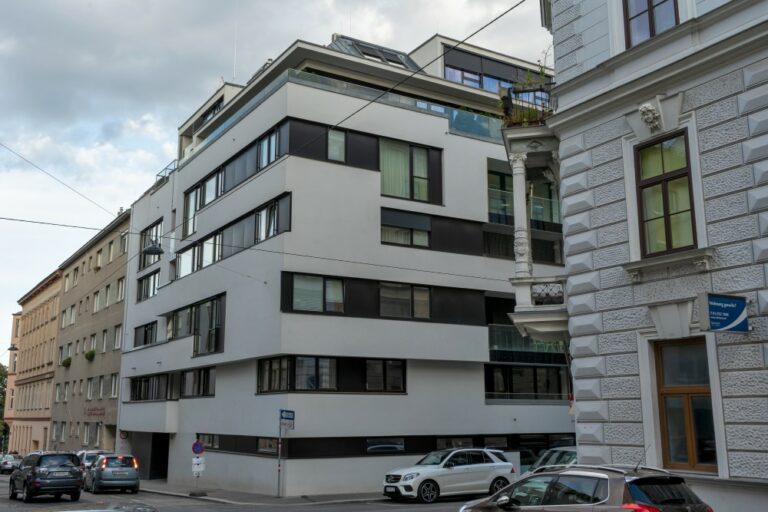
[[287, 419]]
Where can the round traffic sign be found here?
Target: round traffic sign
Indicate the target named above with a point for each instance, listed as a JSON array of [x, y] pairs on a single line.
[[198, 448]]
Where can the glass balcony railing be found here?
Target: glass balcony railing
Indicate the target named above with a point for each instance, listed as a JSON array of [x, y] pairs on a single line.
[[541, 209], [460, 122], [507, 338], [500, 203]]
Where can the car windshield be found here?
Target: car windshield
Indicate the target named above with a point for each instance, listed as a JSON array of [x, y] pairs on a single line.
[[90, 457], [555, 458], [57, 461], [434, 458], [120, 462]]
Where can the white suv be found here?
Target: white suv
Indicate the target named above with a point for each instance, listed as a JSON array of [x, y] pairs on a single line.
[[451, 472]]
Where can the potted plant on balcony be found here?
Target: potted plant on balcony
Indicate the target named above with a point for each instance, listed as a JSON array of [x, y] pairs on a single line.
[[90, 354], [66, 362]]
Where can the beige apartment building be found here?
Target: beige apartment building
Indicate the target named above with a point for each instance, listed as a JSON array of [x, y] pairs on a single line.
[[36, 343], [10, 385], [87, 356]]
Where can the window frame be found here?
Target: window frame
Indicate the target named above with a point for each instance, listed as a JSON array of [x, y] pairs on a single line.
[[411, 177], [152, 276], [412, 315], [687, 392], [147, 260], [664, 179], [651, 22], [324, 300], [410, 237]]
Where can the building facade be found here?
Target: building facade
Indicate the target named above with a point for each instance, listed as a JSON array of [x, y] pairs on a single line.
[[36, 343], [87, 359], [10, 385], [355, 274], [662, 144]]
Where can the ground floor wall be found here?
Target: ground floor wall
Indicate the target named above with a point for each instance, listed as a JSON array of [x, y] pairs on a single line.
[[29, 435]]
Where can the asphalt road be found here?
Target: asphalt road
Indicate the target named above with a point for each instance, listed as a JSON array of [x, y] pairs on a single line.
[[149, 502]]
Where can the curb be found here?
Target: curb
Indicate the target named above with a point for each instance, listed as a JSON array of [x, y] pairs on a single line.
[[256, 503]]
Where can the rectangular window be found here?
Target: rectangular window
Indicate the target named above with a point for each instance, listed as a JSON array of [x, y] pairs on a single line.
[[147, 286], [58, 393], [384, 375], [336, 145], [72, 315], [315, 373], [123, 243], [86, 433], [404, 170], [145, 335], [101, 387], [113, 385], [498, 245], [274, 374], [209, 318], [96, 301], [197, 383], [186, 262], [104, 340], [190, 212], [517, 382], [665, 197], [685, 405], [500, 198], [89, 389], [645, 19], [209, 440], [211, 250], [120, 289], [320, 294], [397, 300], [149, 236], [111, 251], [267, 445], [98, 259], [107, 290], [75, 273], [118, 336], [92, 345], [66, 283], [210, 189], [384, 445], [404, 236], [153, 387]]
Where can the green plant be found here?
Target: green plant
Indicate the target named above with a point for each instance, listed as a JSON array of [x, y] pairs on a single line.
[[90, 355], [66, 362]]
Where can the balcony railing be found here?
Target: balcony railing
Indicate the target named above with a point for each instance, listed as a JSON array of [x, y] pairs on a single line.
[[460, 122], [527, 106], [541, 210], [507, 338]]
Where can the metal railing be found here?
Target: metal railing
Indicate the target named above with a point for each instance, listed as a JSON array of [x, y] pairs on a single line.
[[527, 106]]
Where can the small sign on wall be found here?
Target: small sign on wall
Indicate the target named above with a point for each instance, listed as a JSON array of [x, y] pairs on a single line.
[[723, 313]]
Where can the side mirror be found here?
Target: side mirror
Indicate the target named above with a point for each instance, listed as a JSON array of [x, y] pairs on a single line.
[[505, 503], [449, 464]]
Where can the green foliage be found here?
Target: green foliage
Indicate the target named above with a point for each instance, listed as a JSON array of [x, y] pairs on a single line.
[[66, 362], [90, 355]]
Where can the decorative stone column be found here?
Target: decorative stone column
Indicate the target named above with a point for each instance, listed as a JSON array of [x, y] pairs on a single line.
[[522, 225]]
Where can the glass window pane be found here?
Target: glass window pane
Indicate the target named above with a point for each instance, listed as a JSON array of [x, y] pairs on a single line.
[[635, 7], [263, 152], [704, 430], [420, 302], [653, 202], [273, 146], [530, 492], [327, 373], [336, 145], [685, 364], [251, 163], [571, 490], [678, 196], [374, 375], [639, 29], [393, 235], [420, 162], [452, 74], [655, 236], [210, 251], [673, 152], [394, 161], [491, 83], [395, 377], [334, 295], [650, 162], [385, 445], [548, 383], [523, 383], [472, 79], [664, 16], [210, 189], [284, 371], [307, 293], [264, 375], [420, 189], [676, 439], [305, 373], [420, 238], [681, 229], [395, 300]]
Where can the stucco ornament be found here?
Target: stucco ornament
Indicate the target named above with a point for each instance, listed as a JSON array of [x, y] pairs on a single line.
[[650, 116], [521, 246]]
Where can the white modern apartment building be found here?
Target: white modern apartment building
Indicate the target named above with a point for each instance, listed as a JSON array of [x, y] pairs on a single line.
[[357, 275], [661, 136]]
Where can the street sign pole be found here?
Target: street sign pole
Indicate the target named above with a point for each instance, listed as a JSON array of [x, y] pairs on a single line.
[[279, 451]]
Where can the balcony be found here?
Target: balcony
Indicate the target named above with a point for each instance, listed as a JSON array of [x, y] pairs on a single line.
[[153, 416], [506, 344], [527, 106], [544, 214], [540, 310]]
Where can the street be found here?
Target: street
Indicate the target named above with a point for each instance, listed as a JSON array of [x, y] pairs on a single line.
[[150, 502]]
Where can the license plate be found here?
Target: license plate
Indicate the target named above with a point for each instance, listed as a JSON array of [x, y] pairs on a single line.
[[60, 473], [390, 488], [120, 473]]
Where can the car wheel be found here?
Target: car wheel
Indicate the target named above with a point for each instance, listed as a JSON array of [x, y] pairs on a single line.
[[75, 496], [27, 495], [428, 491], [498, 484], [12, 493]]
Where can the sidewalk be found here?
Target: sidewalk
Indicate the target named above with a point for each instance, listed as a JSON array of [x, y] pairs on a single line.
[[247, 498]]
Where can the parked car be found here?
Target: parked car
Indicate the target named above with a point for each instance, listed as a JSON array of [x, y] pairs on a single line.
[[451, 472], [561, 456], [9, 462], [113, 472], [87, 457], [54, 473], [578, 488]]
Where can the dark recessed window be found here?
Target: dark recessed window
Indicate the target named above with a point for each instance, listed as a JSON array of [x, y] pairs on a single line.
[[315, 373], [404, 170], [384, 375], [397, 300], [665, 196], [336, 145], [149, 236], [318, 294], [499, 245], [147, 286], [517, 382], [645, 19], [404, 236], [204, 320], [200, 382], [274, 374], [145, 335]]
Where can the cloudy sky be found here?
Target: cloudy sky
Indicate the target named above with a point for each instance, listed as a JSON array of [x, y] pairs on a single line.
[[93, 92]]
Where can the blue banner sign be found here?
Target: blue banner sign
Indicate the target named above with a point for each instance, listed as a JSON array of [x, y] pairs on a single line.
[[724, 313]]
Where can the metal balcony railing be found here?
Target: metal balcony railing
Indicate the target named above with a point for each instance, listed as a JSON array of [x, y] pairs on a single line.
[[527, 105]]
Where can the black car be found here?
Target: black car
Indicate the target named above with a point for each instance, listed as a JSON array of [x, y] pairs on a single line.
[[47, 473]]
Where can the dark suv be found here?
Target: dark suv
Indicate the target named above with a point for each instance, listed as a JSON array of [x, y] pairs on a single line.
[[580, 488], [47, 473]]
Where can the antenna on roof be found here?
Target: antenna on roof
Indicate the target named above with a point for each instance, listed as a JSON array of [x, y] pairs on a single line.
[[645, 453]]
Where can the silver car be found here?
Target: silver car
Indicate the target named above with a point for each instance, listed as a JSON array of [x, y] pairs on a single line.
[[111, 471], [9, 462], [87, 457]]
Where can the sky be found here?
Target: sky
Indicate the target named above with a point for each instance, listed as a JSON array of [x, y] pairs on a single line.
[[93, 92]]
